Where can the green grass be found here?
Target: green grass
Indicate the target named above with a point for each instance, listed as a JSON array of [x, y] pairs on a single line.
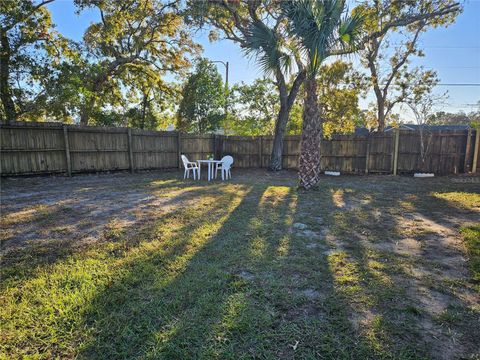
[[227, 277], [471, 238]]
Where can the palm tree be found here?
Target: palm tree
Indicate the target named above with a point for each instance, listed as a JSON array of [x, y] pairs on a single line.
[[321, 30]]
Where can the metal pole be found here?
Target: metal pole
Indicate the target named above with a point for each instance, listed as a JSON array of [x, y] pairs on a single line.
[[226, 75], [226, 89], [226, 64]]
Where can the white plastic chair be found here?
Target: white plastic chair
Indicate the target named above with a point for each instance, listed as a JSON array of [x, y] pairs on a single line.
[[224, 166], [189, 165]]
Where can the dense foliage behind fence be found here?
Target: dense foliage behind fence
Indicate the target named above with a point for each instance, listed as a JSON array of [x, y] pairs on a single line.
[[34, 148]]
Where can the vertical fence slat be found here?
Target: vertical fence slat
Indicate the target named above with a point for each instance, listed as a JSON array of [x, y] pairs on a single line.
[[67, 150], [475, 152], [179, 149], [130, 150], [260, 151], [395, 151], [468, 149], [367, 155]]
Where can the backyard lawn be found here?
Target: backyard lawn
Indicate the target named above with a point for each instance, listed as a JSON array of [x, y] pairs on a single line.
[[151, 266]]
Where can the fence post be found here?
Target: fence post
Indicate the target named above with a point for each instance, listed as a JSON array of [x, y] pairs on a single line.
[[222, 147], [215, 146], [67, 150], [130, 150], [468, 148], [475, 152], [179, 149], [367, 154], [260, 150], [395, 151]]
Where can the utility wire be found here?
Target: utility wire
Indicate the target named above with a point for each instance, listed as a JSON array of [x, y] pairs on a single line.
[[449, 84], [446, 84]]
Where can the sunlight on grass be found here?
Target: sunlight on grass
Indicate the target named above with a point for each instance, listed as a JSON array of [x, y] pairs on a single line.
[[217, 270], [258, 246], [166, 182], [274, 196], [471, 238], [377, 271], [283, 246], [197, 239], [337, 198], [463, 200], [408, 202], [46, 310], [345, 271], [276, 206], [24, 215], [231, 318]]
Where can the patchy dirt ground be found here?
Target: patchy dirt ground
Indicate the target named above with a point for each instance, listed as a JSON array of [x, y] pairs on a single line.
[[387, 250], [80, 209]]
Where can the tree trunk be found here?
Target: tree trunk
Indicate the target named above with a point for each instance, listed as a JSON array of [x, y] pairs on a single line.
[[280, 126], [5, 90], [287, 99], [84, 116], [381, 114], [309, 167], [144, 110], [86, 112]]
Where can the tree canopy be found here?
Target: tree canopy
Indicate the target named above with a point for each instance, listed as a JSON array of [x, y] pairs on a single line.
[[30, 50], [122, 59], [132, 64], [340, 87], [202, 107], [254, 108]]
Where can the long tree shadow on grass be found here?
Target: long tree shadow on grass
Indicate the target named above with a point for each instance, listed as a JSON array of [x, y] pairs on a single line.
[[176, 294], [390, 307], [255, 288], [23, 262], [236, 296], [229, 277], [55, 295]]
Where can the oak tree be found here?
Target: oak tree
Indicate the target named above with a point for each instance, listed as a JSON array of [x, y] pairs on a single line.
[[393, 31], [30, 47], [145, 37]]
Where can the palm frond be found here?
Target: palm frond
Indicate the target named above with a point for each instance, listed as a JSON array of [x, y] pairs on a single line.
[[266, 46], [319, 27], [350, 31]]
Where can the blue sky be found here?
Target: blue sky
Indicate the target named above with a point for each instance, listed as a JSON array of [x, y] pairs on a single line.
[[454, 52]]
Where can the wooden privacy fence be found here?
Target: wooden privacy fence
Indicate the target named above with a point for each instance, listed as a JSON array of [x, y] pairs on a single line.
[[35, 148]]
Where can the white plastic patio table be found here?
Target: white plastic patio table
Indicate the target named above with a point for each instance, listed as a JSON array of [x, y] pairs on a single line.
[[210, 164]]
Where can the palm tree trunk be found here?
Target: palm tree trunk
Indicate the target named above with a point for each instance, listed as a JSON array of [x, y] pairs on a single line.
[[309, 167]]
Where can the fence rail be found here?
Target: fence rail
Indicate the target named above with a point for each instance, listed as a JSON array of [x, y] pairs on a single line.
[[35, 148]]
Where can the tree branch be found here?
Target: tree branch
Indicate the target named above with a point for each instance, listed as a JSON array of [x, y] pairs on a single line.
[[407, 20], [27, 15], [403, 60]]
